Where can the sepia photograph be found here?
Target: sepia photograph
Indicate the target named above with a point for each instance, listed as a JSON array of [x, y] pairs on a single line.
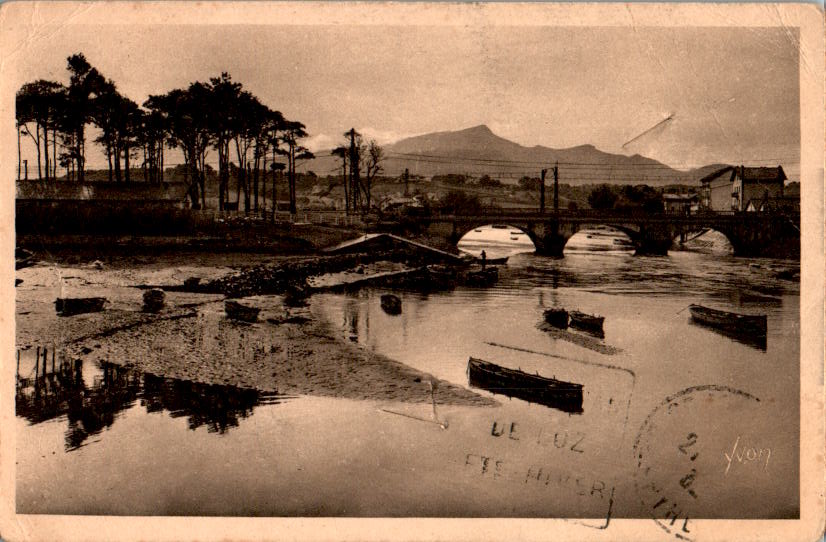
[[443, 262]]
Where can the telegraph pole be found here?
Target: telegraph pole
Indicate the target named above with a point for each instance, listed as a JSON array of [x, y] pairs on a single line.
[[542, 192], [556, 187]]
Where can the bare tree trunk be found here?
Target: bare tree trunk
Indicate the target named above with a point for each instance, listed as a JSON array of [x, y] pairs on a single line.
[[109, 158], [81, 156], [126, 161], [247, 190], [37, 129], [256, 164], [46, 150], [54, 152], [118, 173]]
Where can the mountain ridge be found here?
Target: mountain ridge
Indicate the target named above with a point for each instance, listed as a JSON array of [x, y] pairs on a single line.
[[478, 151]]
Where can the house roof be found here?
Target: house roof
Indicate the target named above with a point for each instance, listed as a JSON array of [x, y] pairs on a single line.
[[748, 174], [761, 174], [716, 174]]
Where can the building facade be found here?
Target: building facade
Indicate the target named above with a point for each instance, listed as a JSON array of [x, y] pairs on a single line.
[[741, 188]]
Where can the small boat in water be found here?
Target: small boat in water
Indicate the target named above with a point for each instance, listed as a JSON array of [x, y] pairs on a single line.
[[493, 261], [732, 322], [482, 277], [391, 304], [587, 322], [499, 226], [565, 396], [70, 306], [237, 311], [556, 317]]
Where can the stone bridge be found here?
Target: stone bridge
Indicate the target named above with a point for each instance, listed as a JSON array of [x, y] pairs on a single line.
[[751, 234]]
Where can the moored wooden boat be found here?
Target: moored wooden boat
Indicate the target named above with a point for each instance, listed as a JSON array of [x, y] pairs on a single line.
[[482, 277], [70, 306], [493, 261], [565, 396], [732, 322], [391, 304], [556, 317], [586, 321], [237, 311]]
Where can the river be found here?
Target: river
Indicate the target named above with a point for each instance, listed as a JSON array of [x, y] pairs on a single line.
[[671, 410]]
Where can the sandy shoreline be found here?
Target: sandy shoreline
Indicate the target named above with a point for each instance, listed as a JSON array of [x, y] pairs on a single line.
[[289, 350]]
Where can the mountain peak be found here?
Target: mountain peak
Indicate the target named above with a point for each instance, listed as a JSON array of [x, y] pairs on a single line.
[[481, 129]]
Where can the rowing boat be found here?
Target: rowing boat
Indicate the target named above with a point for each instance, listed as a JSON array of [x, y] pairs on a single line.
[[70, 306], [557, 317], [237, 311], [493, 261], [550, 392], [586, 321], [750, 324], [482, 277]]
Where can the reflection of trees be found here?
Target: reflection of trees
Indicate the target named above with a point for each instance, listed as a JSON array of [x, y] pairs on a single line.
[[90, 410], [217, 407]]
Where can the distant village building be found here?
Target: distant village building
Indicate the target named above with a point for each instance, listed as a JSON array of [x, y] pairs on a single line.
[[681, 203], [397, 202], [740, 188]]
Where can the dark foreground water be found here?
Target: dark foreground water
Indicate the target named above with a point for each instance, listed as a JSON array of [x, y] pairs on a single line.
[[677, 419]]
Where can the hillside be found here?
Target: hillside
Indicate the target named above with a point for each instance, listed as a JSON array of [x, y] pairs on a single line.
[[478, 151]]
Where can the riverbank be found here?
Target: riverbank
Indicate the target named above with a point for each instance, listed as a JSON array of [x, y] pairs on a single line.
[[289, 350]]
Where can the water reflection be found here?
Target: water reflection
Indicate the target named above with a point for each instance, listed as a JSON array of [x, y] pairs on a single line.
[[93, 396], [758, 342]]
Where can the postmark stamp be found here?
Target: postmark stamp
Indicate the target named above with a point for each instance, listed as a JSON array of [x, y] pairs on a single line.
[[680, 473]]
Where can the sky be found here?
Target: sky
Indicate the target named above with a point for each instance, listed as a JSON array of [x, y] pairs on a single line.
[[731, 94]]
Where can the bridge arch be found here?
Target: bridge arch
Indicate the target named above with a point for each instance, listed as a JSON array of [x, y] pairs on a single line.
[[593, 231], [463, 233], [705, 240]]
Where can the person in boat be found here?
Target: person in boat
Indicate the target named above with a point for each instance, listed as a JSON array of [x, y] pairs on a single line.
[[484, 257]]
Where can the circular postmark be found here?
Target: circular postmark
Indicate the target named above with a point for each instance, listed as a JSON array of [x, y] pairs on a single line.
[[680, 454]]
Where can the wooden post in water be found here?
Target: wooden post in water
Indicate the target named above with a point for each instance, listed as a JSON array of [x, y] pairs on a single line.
[[556, 187], [542, 192]]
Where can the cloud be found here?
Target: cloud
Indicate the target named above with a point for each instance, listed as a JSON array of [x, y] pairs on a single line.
[[323, 142], [382, 137], [320, 142]]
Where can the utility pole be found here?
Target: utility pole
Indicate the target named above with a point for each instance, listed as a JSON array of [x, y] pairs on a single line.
[[542, 192], [556, 187]]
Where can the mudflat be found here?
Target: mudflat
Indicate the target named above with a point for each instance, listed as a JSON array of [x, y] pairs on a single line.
[[290, 350]]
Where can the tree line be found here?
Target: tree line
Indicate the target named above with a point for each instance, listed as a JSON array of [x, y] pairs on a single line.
[[217, 115]]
